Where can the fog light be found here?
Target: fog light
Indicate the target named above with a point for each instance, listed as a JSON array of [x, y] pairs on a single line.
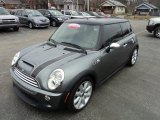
[[47, 98], [48, 106]]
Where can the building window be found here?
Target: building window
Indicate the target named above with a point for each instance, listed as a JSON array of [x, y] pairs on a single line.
[[68, 7]]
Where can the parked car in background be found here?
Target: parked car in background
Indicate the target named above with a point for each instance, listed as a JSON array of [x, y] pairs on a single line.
[[78, 57], [104, 15], [8, 21], [32, 18], [56, 17], [86, 15], [154, 26], [72, 14], [94, 14]]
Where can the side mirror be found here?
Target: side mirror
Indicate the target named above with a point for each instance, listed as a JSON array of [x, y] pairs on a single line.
[[47, 15], [114, 45]]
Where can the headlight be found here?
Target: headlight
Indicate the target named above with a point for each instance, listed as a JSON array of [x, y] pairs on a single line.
[[47, 20], [151, 22], [56, 78], [60, 19], [15, 58]]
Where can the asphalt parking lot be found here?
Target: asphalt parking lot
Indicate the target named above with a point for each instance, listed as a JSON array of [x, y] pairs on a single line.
[[132, 94]]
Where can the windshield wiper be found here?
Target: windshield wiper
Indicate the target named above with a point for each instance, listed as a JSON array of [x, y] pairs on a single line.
[[75, 46], [52, 42]]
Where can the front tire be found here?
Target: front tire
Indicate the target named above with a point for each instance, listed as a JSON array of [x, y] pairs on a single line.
[[81, 95], [54, 24], [133, 59], [16, 28], [30, 25], [157, 32]]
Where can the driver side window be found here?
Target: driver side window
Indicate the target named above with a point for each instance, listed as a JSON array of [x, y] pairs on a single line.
[[24, 14], [112, 33]]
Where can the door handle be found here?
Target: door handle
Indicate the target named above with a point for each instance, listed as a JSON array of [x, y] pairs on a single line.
[[125, 44]]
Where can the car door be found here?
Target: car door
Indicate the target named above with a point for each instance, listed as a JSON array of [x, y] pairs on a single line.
[[128, 39], [24, 17], [111, 59]]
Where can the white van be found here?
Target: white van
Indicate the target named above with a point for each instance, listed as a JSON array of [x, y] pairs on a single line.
[[7, 20]]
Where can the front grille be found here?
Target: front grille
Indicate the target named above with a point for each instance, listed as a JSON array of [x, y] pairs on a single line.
[[8, 21], [27, 79]]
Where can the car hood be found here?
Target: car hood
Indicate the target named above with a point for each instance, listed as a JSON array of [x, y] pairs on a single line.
[[8, 17], [44, 55], [39, 18], [77, 16], [157, 19]]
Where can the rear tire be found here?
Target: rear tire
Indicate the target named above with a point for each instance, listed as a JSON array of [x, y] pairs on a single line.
[[133, 58], [80, 95], [157, 32]]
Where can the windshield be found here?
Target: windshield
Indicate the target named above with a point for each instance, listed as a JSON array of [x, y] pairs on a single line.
[[74, 13], [3, 12], [86, 14], [33, 13], [55, 12], [83, 35], [95, 13]]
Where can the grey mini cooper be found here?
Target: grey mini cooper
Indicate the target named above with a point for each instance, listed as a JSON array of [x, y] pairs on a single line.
[[78, 57]]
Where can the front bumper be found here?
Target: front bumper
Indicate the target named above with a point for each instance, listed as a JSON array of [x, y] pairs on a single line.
[[41, 25], [37, 97], [150, 28], [9, 25], [60, 22]]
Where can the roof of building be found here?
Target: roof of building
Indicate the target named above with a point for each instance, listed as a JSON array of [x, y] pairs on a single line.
[[62, 2], [11, 1], [97, 21], [112, 3], [148, 5]]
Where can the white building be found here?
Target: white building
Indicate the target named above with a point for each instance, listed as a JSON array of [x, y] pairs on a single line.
[[113, 7], [69, 4]]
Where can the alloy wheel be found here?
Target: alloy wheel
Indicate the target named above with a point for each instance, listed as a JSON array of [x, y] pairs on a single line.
[[157, 33], [82, 95], [30, 25], [53, 23], [134, 57]]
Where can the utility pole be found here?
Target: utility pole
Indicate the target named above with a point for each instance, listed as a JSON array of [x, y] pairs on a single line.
[[87, 5], [77, 6]]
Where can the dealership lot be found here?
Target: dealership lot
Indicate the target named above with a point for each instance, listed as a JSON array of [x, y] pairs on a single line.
[[132, 94]]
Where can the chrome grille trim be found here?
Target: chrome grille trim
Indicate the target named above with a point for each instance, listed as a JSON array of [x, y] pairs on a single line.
[[25, 78]]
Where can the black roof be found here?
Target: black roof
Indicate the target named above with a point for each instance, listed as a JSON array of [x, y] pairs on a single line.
[[97, 21]]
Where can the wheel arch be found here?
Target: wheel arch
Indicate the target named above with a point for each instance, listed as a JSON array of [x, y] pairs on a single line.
[[88, 73], [156, 25]]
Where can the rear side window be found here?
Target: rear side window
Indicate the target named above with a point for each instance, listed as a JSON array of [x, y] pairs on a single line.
[[112, 33], [126, 28]]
